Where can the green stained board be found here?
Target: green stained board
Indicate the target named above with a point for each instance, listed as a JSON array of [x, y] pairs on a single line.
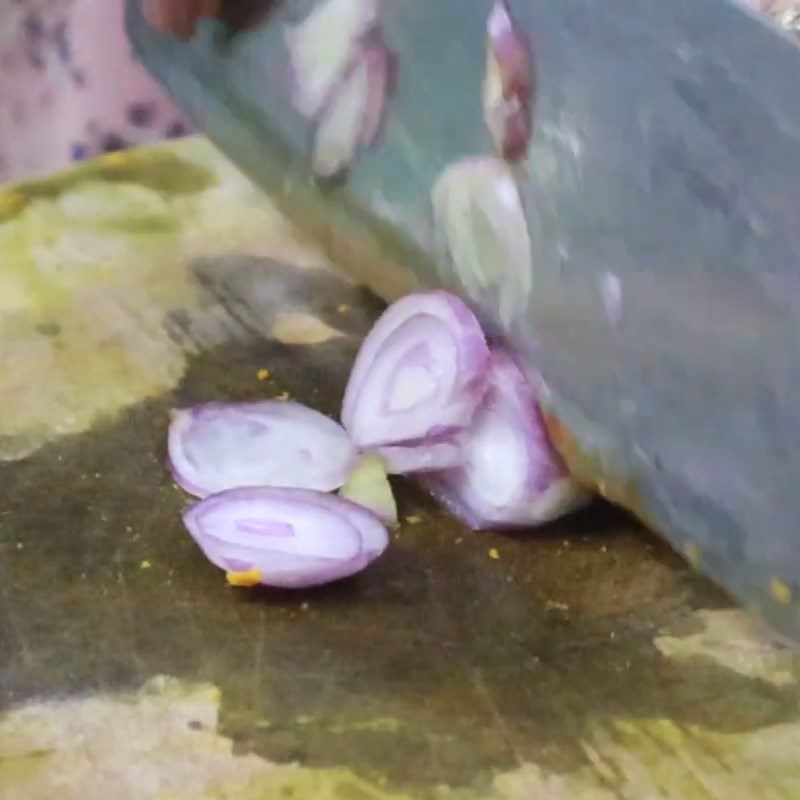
[[582, 661]]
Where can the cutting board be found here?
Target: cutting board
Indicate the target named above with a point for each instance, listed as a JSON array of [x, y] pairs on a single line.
[[584, 660]]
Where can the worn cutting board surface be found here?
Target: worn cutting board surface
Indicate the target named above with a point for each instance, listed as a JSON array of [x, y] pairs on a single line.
[[583, 661]]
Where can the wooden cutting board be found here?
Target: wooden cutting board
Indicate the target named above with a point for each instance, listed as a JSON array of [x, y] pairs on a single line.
[[581, 661]]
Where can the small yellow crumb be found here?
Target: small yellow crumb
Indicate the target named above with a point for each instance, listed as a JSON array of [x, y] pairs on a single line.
[[780, 592], [262, 374], [282, 396], [145, 564], [413, 519], [494, 554], [245, 579], [343, 308]]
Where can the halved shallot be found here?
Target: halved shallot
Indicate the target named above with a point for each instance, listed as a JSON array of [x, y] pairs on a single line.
[[223, 446], [511, 477], [286, 538], [418, 379]]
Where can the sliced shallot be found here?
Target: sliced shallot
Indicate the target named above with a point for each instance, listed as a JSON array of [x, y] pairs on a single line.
[[419, 376], [321, 48], [368, 486], [287, 538], [481, 226], [222, 446], [508, 84], [512, 477]]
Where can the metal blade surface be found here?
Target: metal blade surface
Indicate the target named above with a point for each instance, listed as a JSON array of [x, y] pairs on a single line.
[[664, 162]]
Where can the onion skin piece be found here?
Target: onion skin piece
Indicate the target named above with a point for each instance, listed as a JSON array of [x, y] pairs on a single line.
[[285, 538], [508, 86], [368, 486], [220, 446], [420, 374], [512, 477], [339, 133]]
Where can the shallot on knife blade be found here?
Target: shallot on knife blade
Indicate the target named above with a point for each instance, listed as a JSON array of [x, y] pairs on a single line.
[[508, 86], [342, 76], [482, 231], [321, 48]]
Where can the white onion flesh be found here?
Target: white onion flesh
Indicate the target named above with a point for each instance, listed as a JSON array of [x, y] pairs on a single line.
[[482, 229], [508, 84]]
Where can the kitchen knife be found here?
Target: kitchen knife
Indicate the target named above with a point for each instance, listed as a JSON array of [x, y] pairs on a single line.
[[659, 299]]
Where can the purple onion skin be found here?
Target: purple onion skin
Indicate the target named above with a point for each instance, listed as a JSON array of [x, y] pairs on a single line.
[[293, 538]]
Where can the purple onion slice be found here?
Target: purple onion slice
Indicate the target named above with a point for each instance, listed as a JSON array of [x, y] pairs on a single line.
[[222, 446], [419, 376], [286, 538], [508, 84], [511, 476]]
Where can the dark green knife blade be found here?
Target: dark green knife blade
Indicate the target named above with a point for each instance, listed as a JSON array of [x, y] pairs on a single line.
[[665, 158]]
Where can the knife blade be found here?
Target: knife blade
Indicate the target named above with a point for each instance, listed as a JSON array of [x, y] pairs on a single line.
[[663, 172]]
